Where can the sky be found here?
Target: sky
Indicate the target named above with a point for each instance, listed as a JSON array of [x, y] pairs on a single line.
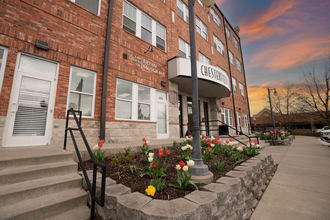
[[279, 39]]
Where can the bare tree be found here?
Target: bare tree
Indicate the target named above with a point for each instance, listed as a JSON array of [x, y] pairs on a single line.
[[317, 84]]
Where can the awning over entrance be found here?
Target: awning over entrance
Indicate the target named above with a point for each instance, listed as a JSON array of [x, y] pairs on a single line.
[[212, 81]]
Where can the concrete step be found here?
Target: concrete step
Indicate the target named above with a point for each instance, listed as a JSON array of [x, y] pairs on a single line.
[[80, 213], [27, 173], [44, 206], [13, 193]]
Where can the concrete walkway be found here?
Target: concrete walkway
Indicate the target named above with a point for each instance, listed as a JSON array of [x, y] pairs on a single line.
[[300, 188]]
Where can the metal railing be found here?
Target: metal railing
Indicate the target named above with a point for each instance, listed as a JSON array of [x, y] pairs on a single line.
[[240, 132], [92, 189]]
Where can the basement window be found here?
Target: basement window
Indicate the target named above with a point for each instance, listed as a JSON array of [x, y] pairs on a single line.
[[91, 5]]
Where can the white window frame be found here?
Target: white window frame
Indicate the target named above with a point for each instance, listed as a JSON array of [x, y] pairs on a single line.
[[201, 3], [94, 91], [219, 45], [227, 32], [246, 120], [203, 58], [238, 118], [98, 9], [236, 43], [138, 26], [184, 45], [216, 18], [234, 83], [184, 10], [238, 65], [231, 58], [3, 65], [229, 119], [241, 89], [201, 28]]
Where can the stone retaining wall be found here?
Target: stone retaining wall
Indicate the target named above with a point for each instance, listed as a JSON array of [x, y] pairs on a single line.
[[231, 197]]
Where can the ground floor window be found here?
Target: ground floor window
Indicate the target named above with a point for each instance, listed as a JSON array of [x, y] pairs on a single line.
[[227, 116], [238, 118], [246, 120], [3, 58]]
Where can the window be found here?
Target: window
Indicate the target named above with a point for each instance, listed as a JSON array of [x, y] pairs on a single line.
[[3, 58], [201, 28], [184, 49], [82, 91], [91, 5], [227, 116], [227, 32], [182, 10], [231, 58], [236, 43], [133, 101], [239, 65], [238, 118], [203, 58], [201, 3], [234, 83], [143, 26], [241, 89], [246, 120], [216, 18], [219, 45]]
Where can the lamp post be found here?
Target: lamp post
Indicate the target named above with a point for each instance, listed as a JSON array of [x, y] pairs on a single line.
[[199, 169], [271, 109]]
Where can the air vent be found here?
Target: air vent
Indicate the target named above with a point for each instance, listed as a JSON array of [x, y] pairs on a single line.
[[42, 44]]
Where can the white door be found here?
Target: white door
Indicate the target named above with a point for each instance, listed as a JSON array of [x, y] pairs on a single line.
[[162, 125], [30, 112]]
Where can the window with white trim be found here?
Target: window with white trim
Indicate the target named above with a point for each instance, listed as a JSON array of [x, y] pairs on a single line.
[[143, 26], [201, 28], [241, 89], [91, 5], [226, 115], [234, 83], [228, 32], [184, 49], [238, 118], [246, 120], [143, 103], [219, 45], [216, 18], [3, 59], [82, 91], [201, 3], [203, 58], [231, 58], [236, 43], [239, 65], [182, 10]]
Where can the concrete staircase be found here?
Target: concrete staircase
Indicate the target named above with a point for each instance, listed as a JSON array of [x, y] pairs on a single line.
[[40, 183]]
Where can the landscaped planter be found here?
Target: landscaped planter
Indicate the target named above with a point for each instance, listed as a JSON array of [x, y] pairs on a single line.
[[279, 142], [231, 197]]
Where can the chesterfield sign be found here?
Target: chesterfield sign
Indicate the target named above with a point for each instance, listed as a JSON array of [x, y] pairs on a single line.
[[212, 73]]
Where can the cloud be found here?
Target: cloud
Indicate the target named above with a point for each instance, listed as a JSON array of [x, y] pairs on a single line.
[[219, 2]]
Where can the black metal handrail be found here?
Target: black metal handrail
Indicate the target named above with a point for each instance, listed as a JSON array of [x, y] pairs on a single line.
[[92, 189], [241, 133]]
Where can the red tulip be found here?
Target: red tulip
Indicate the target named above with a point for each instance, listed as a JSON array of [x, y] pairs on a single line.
[[189, 136], [143, 139], [100, 144], [209, 149], [154, 165], [160, 150], [182, 164], [160, 154], [168, 152]]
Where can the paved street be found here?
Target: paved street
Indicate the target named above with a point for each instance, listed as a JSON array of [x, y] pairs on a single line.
[[300, 188]]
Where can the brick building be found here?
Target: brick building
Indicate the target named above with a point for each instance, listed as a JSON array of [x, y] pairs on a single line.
[[53, 53]]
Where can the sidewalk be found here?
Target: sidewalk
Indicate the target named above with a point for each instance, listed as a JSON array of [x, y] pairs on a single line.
[[300, 188]]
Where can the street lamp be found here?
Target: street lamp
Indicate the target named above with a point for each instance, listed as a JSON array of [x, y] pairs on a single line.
[[271, 108], [199, 169]]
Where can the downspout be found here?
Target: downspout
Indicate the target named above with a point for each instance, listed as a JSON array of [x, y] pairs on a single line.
[[247, 96], [105, 73], [231, 78]]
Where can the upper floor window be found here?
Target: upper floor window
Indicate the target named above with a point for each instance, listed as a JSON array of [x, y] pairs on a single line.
[[203, 58], [239, 65], [227, 32], [231, 57], [236, 43], [91, 5], [82, 91], [3, 58], [143, 26], [241, 89], [184, 49], [234, 83], [201, 3], [219, 45], [182, 10], [216, 18], [201, 28]]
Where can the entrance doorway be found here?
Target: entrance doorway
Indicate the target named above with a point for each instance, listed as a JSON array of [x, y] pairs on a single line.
[[30, 112], [205, 119]]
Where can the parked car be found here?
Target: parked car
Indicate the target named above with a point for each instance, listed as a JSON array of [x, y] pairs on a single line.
[[325, 128], [325, 135]]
